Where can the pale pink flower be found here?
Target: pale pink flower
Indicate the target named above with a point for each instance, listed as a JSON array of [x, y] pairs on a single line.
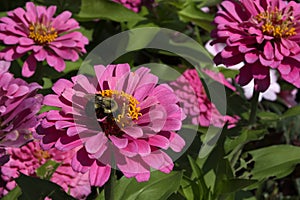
[[196, 105], [37, 33]]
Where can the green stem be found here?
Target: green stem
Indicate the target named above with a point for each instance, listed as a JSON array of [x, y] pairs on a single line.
[[110, 185], [254, 104]]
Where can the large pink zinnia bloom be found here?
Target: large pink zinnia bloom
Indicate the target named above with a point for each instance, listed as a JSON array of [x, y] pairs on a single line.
[[196, 105], [263, 34], [19, 104], [118, 119], [36, 31], [30, 157]]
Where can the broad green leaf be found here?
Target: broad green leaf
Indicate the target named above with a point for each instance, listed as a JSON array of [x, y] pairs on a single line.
[[103, 9], [159, 187], [234, 185], [291, 112], [268, 116], [35, 188], [46, 170], [274, 161], [13, 194]]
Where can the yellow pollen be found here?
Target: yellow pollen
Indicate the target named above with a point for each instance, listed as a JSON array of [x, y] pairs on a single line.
[[42, 34], [130, 110], [275, 23], [40, 154]]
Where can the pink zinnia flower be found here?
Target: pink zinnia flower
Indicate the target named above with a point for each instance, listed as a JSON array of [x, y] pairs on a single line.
[[269, 94], [134, 5], [19, 104], [263, 34], [119, 117], [196, 105], [30, 157], [45, 37]]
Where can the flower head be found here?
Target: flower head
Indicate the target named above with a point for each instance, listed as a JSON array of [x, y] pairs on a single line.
[[30, 157], [196, 105], [19, 104], [269, 94], [36, 31], [119, 117], [263, 34]]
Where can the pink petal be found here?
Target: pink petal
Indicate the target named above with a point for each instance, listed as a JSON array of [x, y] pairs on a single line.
[[29, 66]]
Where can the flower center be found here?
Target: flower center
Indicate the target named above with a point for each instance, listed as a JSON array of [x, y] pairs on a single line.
[[276, 23], [40, 154], [118, 110], [42, 34]]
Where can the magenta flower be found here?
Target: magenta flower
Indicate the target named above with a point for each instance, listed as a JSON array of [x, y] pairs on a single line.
[[45, 37], [196, 105], [19, 104], [135, 5], [119, 117], [263, 34], [30, 157]]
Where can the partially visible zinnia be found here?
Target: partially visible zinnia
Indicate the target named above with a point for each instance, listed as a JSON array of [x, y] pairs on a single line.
[[270, 94], [119, 119], [263, 34], [19, 104], [134, 5], [30, 157], [36, 31], [196, 105]]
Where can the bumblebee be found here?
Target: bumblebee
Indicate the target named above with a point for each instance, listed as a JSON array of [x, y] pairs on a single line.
[[102, 106]]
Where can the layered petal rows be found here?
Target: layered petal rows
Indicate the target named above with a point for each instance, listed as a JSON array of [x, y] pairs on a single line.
[[118, 119], [47, 38], [263, 34]]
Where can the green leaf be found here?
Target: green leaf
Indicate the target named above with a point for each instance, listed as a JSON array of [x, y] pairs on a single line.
[[292, 112], [192, 13], [47, 83], [35, 188], [103, 9], [46, 170], [47, 108], [13, 194], [228, 73], [274, 161], [268, 116], [159, 187], [245, 136], [234, 185]]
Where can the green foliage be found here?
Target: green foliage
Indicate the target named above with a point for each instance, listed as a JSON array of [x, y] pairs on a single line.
[[160, 187], [102, 9], [46, 170], [35, 188], [274, 161]]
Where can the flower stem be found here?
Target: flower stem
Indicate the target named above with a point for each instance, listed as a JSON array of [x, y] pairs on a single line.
[[254, 104], [110, 185]]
